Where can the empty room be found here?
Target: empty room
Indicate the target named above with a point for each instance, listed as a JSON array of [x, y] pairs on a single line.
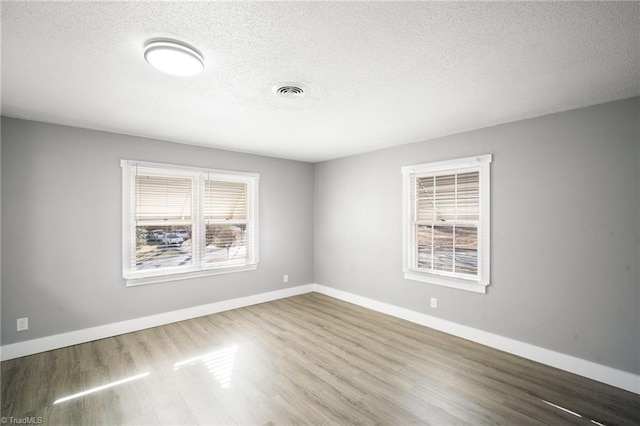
[[320, 213]]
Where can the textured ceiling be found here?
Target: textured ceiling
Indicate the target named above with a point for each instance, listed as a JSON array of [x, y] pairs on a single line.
[[377, 74]]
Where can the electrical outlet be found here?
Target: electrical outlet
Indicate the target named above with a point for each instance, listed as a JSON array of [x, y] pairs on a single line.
[[285, 279], [22, 324], [434, 303]]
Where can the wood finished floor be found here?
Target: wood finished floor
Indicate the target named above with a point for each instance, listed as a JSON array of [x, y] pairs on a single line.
[[308, 359]]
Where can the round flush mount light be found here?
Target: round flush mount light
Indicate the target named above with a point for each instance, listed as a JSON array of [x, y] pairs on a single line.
[[173, 57]]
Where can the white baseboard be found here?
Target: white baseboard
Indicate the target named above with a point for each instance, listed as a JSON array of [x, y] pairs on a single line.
[[29, 347], [602, 373], [591, 370]]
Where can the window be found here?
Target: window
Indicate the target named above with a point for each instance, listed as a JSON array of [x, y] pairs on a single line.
[[181, 222], [446, 223]]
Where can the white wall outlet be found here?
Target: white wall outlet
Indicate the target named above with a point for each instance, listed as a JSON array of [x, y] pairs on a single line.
[[22, 324], [434, 303], [285, 279]]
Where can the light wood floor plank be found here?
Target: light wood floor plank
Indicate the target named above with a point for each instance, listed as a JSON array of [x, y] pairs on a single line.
[[308, 359]]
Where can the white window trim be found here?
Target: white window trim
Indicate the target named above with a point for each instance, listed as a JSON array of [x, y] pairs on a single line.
[[135, 278], [411, 272]]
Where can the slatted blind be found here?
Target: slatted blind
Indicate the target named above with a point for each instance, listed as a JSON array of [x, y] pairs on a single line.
[[468, 196], [162, 199], [225, 200], [448, 198]]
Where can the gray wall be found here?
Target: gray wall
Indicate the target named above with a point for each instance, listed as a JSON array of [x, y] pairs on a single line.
[[565, 230], [61, 229], [565, 222]]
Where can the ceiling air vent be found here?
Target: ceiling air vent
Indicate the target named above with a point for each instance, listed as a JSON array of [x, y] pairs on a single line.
[[289, 90]]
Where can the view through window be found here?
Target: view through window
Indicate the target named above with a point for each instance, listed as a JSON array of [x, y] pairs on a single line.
[[185, 220]]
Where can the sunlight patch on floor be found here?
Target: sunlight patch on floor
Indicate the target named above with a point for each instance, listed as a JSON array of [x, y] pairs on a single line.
[[100, 388], [566, 410], [219, 363]]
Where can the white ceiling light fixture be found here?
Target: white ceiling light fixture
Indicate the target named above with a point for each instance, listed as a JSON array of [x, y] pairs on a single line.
[[173, 57]]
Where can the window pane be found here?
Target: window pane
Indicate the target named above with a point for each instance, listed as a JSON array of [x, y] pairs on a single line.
[[163, 198], [443, 248], [467, 250], [445, 198], [225, 200], [424, 246], [226, 244], [425, 193], [468, 196], [163, 246]]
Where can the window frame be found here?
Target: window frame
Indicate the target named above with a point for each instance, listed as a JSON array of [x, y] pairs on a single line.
[[411, 271], [198, 176]]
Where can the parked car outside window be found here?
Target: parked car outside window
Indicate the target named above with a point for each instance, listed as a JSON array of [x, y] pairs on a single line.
[[155, 235], [172, 239], [182, 233]]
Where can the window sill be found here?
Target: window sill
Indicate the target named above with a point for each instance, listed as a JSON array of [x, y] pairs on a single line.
[[132, 282], [446, 282]]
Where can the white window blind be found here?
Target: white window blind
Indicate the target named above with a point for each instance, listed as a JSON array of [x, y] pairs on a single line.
[[163, 199], [446, 225], [181, 222], [225, 201]]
